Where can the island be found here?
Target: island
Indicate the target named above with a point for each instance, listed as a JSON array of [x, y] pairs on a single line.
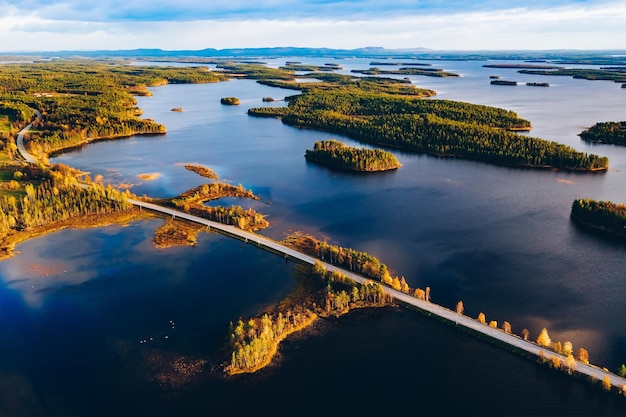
[[429, 72], [503, 82], [618, 76], [437, 127], [605, 217], [606, 132], [192, 201], [339, 155], [202, 171], [519, 66], [230, 101]]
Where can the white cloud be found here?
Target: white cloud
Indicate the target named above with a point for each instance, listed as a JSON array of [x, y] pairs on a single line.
[[568, 27]]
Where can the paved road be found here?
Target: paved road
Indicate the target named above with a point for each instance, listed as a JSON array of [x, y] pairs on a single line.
[[20, 142], [442, 312]]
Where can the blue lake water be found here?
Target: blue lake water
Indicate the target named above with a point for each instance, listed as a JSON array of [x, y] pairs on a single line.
[[77, 305]]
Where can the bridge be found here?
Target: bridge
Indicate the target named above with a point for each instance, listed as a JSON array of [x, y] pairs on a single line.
[[508, 339]]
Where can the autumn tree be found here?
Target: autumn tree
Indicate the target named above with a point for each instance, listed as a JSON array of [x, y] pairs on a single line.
[[459, 307], [568, 349], [583, 355], [481, 318], [420, 294], [555, 362], [493, 324], [544, 338], [558, 347], [570, 364], [606, 383], [506, 326], [525, 334]]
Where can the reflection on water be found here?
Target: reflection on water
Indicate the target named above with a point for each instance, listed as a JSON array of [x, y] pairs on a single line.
[[499, 239]]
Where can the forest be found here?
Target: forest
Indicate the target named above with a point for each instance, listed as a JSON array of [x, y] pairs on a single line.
[[613, 133], [339, 155], [38, 196], [604, 216], [83, 100], [437, 127]]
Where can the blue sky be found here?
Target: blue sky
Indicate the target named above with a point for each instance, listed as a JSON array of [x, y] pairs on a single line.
[[51, 25]]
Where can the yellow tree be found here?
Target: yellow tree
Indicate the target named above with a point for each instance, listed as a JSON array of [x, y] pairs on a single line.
[[544, 338], [570, 364], [493, 324], [606, 383], [506, 326], [525, 334], [481, 318], [459, 307], [583, 355], [568, 349], [558, 347]]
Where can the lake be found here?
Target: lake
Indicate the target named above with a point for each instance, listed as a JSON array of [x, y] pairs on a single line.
[[85, 313]]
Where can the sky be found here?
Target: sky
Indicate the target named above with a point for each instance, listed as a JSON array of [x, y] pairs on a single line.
[[455, 25]]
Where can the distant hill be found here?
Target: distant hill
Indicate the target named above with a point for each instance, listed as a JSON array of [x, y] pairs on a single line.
[[615, 57], [370, 51]]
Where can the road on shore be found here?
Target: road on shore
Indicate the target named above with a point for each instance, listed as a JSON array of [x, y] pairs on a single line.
[[435, 309], [19, 141]]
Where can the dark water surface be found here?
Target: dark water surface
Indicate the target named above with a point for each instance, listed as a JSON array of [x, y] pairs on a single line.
[[77, 305]]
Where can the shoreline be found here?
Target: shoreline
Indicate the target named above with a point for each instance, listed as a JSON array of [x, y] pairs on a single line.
[[10, 241]]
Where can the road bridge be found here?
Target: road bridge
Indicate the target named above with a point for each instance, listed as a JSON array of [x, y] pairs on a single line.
[[473, 325]]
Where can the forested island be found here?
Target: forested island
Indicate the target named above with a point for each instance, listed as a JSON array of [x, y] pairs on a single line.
[[503, 82], [618, 76], [603, 216], [520, 66], [230, 101], [339, 155], [606, 132], [429, 72], [437, 127], [192, 201]]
